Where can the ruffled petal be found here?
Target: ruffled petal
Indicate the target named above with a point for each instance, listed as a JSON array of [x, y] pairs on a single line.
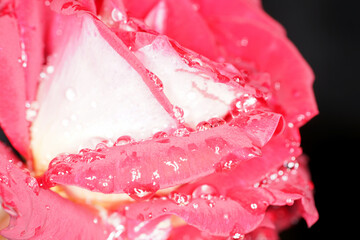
[[36, 213]]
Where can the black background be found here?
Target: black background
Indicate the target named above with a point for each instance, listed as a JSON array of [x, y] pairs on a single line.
[[327, 34]]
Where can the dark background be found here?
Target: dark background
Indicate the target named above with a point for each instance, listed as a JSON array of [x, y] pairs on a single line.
[[327, 33]]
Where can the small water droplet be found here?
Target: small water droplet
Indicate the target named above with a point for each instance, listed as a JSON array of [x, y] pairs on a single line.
[[211, 203], [179, 114], [216, 143], [158, 83], [289, 202], [123, 140], [31, 110], [227, 163], [216, 122], [105, 185], [181, 132], [117, 15], [160, 135], [236, 232], [180, 198], [204, 190], [203, 126], [238, 236], [50, 69], [141, 192], [70, 94], [33, 184], [4, 179]]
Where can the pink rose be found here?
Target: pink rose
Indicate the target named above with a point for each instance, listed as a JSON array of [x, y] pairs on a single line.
[[151, 120]]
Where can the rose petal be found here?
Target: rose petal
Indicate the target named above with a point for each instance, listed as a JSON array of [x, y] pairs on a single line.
[[12, 80], [291, 76], [189, 232], [216, 216], [64, 122], [41, 214], [166, 162], [278, 150], [243, 33]]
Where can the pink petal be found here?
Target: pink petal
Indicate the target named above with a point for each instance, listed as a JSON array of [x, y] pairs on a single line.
[[179, 20], [164, 162], [12, 80], [41, 214], [31, 30], [291, 76], [217, 216], [279, 149], [189, 232], [242, 33]]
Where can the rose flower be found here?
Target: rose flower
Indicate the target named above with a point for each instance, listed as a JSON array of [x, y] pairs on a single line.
[[151, 119]]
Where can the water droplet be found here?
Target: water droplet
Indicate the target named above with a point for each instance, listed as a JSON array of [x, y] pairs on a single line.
[[236, 232], [33, 184], [242, 78], [203, 126], [203, 191], [101, 146], [23, 57], [31, 110], [216, 122], [180, 198], [227, 163], [141, 192], [4, 179], [105, 185], [117, 15], [123, 140], [50, 69], [238, 236], [211, 203], [160, 135], [216, 143], [289, 202], [179, 114], [181, 132], [70, 94], [158, 83], [222, 78]]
